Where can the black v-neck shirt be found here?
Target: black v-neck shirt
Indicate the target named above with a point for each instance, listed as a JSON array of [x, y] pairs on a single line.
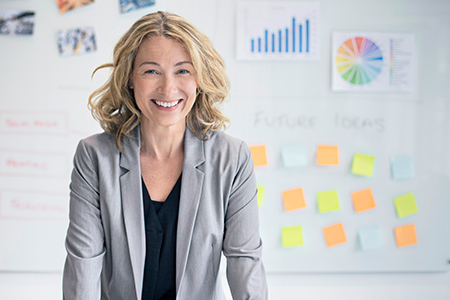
[[161, 220]]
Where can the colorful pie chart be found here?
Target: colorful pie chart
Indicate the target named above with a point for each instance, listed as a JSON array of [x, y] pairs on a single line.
[[359, 60]]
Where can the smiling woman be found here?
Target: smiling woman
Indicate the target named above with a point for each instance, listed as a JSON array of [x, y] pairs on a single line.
[[163, 192], [164, 83]]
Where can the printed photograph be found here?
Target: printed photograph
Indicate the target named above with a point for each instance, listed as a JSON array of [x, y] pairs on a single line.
[[76, 41], [14, 22], [130, 5], [68, 5]]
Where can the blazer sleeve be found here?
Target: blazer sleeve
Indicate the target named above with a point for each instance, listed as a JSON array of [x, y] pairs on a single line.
[[242, 243], [85, 235]]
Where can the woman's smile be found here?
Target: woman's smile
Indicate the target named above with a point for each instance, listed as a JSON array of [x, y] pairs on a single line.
[[167, 104]]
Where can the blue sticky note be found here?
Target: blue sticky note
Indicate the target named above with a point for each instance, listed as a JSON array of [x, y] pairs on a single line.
[[293, 156], [370, 237], [402, 167]]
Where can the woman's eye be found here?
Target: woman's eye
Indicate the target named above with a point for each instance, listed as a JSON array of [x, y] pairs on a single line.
[[150, 72], [183, 72]]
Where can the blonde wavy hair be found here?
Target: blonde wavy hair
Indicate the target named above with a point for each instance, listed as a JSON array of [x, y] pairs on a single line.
[[113, 104]]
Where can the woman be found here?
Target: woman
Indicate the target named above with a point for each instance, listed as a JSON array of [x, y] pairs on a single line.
[[156, 198]]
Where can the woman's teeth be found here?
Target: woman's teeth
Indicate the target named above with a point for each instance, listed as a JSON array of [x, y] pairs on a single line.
[[166, 104]]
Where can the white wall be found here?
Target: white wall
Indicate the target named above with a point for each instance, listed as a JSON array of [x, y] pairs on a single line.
[[31, 69]]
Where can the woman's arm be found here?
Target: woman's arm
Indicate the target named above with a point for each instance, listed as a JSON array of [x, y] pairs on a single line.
[[85, 235], [242, 243]]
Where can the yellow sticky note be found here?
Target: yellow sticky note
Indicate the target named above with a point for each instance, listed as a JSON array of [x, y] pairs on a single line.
[[327, 155], [363, 200], [293, 199], [292, 236], [334, 234], [259, 155], [327, 201], [362, 164], [405, 205], [260, 194], [405, 235]]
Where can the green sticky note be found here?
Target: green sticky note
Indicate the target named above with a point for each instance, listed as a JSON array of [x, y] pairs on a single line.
[[362, 164], [292, 236], [405, 205], [327, 201], [260, 194]]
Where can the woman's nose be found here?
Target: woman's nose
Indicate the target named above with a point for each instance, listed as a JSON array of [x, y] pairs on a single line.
[[167, 86]]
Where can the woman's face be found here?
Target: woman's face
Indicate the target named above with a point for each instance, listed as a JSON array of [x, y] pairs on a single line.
[[164, 82]]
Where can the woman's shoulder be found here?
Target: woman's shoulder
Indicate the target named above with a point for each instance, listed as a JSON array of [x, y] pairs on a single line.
[[98, 139], [225, 145], [220, 138], [97, 143]]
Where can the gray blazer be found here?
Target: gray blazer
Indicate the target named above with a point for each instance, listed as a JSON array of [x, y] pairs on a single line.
[[218, 212]]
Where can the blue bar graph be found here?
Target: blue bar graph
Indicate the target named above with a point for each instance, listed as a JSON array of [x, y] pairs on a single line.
[[295, 34], [287, 39], [300, 39], [279, 40], [307, 35], [273, 42], [266, 44]]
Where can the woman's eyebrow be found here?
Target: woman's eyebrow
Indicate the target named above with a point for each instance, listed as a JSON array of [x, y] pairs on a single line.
[[156, 64], [182, 62], [148, 63]]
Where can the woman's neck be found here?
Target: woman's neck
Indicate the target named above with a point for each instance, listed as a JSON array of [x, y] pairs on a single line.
[[162, 143]]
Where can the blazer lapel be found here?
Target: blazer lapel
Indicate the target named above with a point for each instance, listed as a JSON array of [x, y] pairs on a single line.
[[132, 206], [191, 189]]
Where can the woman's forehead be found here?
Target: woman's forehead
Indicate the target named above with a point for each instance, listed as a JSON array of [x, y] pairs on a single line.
[[162, 48]]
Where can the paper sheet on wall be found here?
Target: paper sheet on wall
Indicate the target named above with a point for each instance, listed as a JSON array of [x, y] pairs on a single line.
[[277, 30], [372, 62]]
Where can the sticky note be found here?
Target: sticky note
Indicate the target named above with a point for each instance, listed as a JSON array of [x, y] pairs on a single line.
[[405, 235], [260, 194], [363, 200], [259, 155], [402, 167], [369, 237], [293, 156], [362, 164], [293, 199], [334, 234], [405, 205], [327, 155], [327, 201], [292, 236]]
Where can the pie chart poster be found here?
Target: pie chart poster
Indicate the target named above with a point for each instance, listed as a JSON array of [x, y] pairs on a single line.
[[372, 62]]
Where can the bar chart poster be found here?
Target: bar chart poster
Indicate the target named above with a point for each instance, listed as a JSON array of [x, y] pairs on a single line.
[[372, 62], [277, 30]]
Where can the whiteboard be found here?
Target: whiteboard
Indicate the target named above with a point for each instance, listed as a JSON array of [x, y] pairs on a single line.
[[275, 103]]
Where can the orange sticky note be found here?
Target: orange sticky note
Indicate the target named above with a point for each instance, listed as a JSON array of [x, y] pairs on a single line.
[[259, 155], [327, 155], [334, 234], [363, 200], [405, 235], [293, 199]]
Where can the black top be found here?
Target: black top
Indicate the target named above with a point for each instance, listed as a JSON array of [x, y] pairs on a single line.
[[161, 237]]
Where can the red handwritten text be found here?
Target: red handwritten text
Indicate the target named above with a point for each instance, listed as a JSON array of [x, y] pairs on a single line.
[[45, 123], [35, 207], [12, 123], [25, 164]]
